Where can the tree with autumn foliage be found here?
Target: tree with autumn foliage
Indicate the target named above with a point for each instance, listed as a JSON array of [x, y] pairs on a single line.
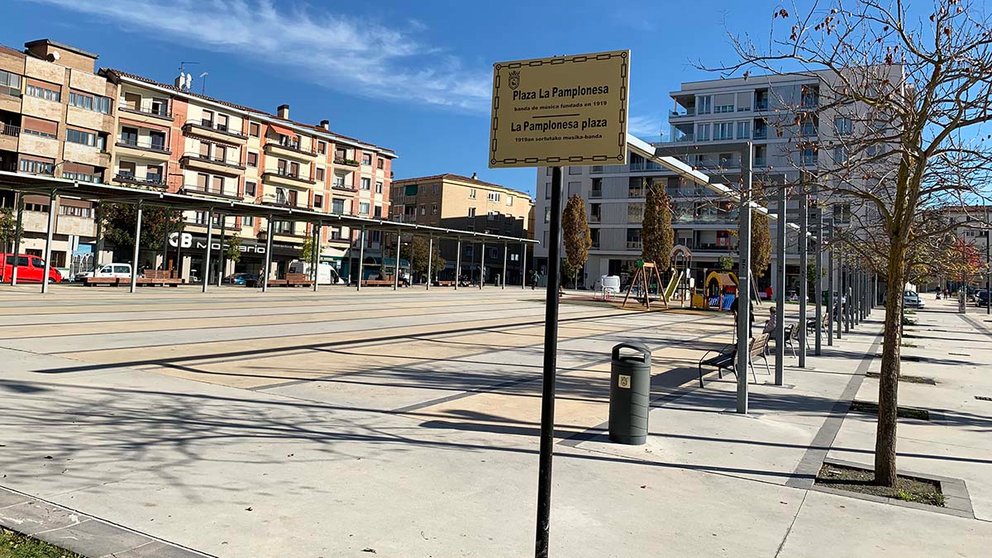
[[907, 98], [576, 237], [657, 234]]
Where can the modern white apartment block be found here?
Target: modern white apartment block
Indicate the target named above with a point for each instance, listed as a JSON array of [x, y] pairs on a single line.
[[779, 114]]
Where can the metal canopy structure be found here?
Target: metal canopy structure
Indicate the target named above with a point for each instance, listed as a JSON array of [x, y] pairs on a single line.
[[91, 191]]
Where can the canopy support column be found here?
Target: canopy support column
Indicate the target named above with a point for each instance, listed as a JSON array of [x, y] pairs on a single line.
[[134, 255], [268, 254], [52, 200]]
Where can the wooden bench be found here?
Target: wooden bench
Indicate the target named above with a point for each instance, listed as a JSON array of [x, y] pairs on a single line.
[[377, 283], [292, 280], [111, 281], [726, 359], [153, 277], [445, 283]]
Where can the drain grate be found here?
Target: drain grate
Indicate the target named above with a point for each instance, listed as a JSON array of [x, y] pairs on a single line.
[[870, 407], [908, 378], [983, 398]]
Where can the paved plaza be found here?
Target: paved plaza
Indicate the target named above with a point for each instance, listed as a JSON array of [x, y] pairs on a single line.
[[292, 423]]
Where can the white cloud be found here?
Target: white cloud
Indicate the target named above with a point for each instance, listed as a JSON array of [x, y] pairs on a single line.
[[339, 52], [645, 127]]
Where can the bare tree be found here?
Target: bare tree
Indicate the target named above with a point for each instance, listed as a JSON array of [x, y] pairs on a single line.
[[896, 114]]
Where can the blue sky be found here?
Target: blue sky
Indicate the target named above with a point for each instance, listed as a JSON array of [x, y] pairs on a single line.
[[412, 76]]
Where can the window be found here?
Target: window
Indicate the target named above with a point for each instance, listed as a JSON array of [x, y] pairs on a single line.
[[379, 164], [702, 132], [363, 208], [318, 201], [810, 96], [294, 169], [574, 170], [723, 131], [10, 83], [471, 194], [157, 140], [204, 150], [493, 196], [44, 92], [723, 108], [222, 122], [704, 104], [808, 157], [218, 185], [378, 186], [366, 183], [509, 201], [547, 214], [253, 129], [319, 174], [80, 100], [843, 126], [220, 153], [840, 155], [471, 212], [81, 177], [378, 211], [366, 158], [252, 159], [434, 209], [250, 188], [39, 127], [423, 210], [744, 130], [202, 180], [207, 119], [491, 215], [337, 206], [86, 138], [248, 221], [322, 147], [74, 211], [37, 167], [410, 190], [160, 107]]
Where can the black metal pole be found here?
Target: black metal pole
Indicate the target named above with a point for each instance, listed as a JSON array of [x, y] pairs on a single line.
[[550, 369]]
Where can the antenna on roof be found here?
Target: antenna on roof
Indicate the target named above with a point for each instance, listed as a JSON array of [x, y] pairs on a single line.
[[203, 84], [185, 81]]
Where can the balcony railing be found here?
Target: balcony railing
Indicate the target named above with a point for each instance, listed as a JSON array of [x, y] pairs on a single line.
[[153, 180], [681, 138], [760, 162], [635, 192], [343, 187], [595, 193], [634, 244], [208, 159], [761, 104], [160, 112], [231, 193], [283, 173], [760, 133], [344, 161], [687, 112], [594, 218], [140, 143], [292, 146], [208, 125], [10, 130]]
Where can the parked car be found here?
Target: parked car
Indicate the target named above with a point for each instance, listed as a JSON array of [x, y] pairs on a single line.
[[982, 298], [910, 299], [30, 269], [242, 279], [119, 270]]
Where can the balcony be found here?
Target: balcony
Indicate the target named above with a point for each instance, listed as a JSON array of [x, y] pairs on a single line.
[[287, 178], [634, 245], [197, 161], [145, 147], [8, 137], [343, 187], [225, 193], [595, 218], [595, 193], [635, 192], [151, 181], [761, 104], [288, 149], [677, 114], [213, 131], [162, 113], [683, 137], [346, 162], [760, 162], [761, 133]]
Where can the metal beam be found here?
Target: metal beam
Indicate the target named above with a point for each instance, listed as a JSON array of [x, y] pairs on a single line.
[[458, 263], [361, 259], [315, 256], [744, 280], [396, 268], [818, 270], [137, 247], [779, 289], [430, 259], [52, 200], [502, 278], [206, 251], [803, 279], [482, 266], [221, 253], [17, 238], [268, 255], [523, 268]]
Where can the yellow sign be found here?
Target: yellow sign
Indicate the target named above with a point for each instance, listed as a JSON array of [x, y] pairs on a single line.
[[568, 110]]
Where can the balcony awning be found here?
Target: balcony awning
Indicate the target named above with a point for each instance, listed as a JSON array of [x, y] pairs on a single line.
[[283, 130]]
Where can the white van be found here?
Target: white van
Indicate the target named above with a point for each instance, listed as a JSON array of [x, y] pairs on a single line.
[[120, 270], [326, 274]]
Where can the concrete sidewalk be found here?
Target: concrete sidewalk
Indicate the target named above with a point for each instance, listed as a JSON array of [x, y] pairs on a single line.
[[260, 435]]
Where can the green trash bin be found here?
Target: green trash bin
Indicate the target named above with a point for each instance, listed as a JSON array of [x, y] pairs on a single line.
[[630, 392]]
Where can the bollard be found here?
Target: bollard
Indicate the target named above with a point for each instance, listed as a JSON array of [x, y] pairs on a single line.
[[630, 392]]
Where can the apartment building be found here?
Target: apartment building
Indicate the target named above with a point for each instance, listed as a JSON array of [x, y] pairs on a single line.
[[56, 115], [467, 203], [780, 115], [170, 138]]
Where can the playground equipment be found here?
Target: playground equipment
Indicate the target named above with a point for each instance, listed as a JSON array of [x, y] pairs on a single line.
[[641, 281], [681, 260]]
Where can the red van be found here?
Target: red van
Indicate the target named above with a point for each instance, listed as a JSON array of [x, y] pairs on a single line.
[[30, 269]]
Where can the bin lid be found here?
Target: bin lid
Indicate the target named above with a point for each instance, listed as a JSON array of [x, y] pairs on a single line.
[[639, 347]]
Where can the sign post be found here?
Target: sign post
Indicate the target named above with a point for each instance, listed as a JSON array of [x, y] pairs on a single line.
[[567, 110]]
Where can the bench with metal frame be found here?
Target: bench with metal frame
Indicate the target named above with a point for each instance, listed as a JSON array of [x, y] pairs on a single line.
[[153, 277], [726, 359], [292, 280]]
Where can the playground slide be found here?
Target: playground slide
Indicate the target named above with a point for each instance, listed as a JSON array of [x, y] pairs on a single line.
[[673, 284]]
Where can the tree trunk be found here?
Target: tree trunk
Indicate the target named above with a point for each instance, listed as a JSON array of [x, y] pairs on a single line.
[[888, 387]]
